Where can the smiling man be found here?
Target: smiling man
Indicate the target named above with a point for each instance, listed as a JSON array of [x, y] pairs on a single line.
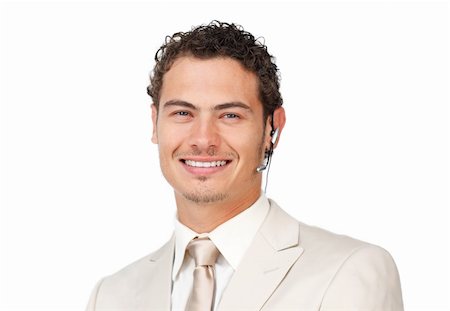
[[211, 133], [217, 117]]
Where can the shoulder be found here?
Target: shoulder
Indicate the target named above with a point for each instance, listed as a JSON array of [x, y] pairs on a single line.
[[345, 272], [347, 257], [322, 242], [135, 269], [135, 280], [364, 276], [319, 242]]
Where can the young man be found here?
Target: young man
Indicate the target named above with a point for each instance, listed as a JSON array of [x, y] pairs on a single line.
[[217, 117]]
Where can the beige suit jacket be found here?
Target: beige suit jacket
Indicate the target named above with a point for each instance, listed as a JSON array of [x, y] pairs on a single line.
[[289, 266]]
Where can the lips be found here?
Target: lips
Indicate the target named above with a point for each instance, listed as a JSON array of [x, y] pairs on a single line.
[[205, 164]]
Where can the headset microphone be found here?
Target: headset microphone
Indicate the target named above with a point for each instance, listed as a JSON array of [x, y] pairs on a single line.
[[263, 166]]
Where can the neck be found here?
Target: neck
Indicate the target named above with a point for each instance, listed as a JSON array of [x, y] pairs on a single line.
[[205, 217]]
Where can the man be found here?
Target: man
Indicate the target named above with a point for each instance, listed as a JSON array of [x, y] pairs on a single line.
[[217, 117]]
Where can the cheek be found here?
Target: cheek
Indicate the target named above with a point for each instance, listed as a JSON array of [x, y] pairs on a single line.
[[172, 141], [168, 140], [167, 132], [248, 146]]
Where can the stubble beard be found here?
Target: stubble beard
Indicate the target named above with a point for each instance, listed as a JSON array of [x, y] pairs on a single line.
[[203, 198]]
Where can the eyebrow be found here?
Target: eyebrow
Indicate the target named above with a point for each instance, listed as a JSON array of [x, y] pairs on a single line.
[[232, 105], [180, 103], [185, 104]]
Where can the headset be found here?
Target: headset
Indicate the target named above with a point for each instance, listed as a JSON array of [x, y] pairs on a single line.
[[268, 153]]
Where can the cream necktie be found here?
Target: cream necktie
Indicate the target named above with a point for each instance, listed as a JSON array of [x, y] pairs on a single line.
[[205, 255]]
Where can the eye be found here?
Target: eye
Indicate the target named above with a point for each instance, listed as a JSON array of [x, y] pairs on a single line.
[[231, 116], [182, 113]]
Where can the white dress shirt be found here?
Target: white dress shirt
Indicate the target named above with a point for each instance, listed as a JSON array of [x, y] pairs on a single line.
[[232, 239]]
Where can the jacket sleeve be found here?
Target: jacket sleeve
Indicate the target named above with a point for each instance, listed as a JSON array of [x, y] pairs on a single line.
[[366, 280]]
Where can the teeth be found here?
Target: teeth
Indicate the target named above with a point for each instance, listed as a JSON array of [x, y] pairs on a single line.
[[205, 164]]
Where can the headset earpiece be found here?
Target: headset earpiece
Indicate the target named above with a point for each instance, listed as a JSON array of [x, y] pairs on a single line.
[[274, 135]]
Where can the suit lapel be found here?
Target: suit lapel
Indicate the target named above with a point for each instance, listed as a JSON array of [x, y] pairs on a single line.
[[158, 290], [272, 253]]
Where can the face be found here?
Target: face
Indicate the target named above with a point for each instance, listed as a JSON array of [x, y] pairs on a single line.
[[210, 131]]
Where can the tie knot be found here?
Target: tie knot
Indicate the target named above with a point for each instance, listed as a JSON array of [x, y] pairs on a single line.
[[203, 251]]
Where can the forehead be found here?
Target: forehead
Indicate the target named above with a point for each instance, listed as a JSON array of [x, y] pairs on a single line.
[[209, 81]]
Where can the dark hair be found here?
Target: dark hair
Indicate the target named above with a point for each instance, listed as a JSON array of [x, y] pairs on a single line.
[[218, 39]]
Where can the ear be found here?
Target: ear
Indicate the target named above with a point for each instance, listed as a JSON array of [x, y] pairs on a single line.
[[154, 121], [279, 120]]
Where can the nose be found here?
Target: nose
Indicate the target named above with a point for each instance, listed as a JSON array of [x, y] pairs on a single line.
[[204, 135]]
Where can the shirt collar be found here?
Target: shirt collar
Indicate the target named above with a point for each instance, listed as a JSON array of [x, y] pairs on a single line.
[[183, 235], [232, 238]]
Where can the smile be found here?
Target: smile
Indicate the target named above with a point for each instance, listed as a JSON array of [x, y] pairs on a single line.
[[205, 164]]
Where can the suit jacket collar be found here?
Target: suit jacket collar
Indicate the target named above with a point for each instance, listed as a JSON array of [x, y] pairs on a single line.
[[272, 253]]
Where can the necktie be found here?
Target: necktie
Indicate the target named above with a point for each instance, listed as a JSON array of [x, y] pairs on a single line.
[[205, 255]]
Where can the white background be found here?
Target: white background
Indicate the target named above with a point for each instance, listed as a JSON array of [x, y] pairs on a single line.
[[364, 153]]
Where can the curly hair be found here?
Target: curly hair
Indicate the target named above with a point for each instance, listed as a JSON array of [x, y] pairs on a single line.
[[219, 39]]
